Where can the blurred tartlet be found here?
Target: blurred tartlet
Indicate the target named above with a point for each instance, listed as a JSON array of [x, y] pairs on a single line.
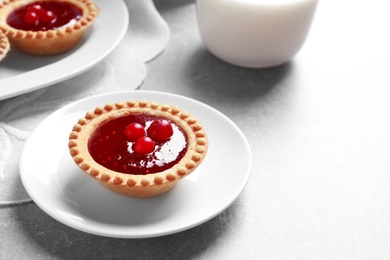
[[46, 27], [138, 148]]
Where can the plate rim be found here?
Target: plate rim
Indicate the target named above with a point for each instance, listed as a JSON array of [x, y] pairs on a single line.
[[99, 232]]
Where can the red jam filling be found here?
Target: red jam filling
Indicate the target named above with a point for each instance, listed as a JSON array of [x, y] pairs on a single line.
[[44, 15], [122, 146]]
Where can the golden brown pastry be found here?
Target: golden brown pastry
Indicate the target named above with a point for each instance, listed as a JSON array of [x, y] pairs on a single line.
[[4, 46], [138, 148], [46, 27]]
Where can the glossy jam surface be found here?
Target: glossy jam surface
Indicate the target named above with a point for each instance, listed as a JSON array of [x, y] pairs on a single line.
[[44, 15], [112, 148]]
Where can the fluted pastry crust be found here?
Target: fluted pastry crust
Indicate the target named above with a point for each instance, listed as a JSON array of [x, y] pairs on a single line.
[[4, 46], [51, 41], [138, 185]]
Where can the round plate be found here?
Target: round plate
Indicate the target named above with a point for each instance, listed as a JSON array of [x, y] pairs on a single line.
[[63, 191], [21, 73]]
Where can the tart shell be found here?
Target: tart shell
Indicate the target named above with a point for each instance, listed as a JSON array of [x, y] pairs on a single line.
[[48, 42], [4, 46], [141, 186]]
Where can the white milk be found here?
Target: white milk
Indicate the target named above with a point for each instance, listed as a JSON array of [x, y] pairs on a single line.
[[255, 33]]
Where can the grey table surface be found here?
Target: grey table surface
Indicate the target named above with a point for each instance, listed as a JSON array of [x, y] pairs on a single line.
[[318, 128]]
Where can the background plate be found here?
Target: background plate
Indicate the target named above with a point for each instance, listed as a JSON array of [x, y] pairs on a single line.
[[72, 197], [21, 73]]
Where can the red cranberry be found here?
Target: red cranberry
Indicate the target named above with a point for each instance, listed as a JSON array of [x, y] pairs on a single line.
[[35, 8], [31, 18], [134, 131], [144, 145], [160, 130], [48, 17]]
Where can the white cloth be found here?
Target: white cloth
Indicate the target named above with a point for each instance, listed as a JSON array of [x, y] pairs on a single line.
[[123, 69]]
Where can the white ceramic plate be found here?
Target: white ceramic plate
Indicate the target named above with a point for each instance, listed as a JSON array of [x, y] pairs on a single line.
[[21, 73], [72, 197]]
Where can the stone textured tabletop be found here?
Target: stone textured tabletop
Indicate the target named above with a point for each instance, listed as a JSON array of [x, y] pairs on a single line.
[[318, 128]]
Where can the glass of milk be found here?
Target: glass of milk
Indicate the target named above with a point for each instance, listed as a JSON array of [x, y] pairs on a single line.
[[255, 33]]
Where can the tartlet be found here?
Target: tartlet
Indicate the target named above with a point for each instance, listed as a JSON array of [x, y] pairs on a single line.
[[141, 185], [4, 46], [47, 41]]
